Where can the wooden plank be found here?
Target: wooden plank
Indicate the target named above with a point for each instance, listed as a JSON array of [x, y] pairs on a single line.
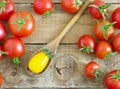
[[58, 1], [50, 79], [48, 28]]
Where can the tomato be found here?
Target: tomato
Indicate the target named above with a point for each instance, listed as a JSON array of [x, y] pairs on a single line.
[[3, 31], [116, 17], [103, 50], [98, 9], [21, 24], [39, 62], [104, 30], [14, 47], [71, 6], [45, 7], [1, 79], [112, 80], [92, 70], [7, 8], [86, 43], [116, 43]]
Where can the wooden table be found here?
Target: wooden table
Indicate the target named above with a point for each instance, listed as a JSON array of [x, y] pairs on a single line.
[[46, 30]]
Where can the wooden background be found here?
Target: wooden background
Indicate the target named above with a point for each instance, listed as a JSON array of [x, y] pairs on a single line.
[[46, 30]]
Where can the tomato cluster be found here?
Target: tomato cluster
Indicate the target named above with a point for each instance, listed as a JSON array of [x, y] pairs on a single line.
[[107, 45]]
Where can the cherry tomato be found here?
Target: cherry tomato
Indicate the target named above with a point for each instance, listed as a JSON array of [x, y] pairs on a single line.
[[104, 30], [14, 47], [7, 8], [103, 50], [112, 80], [86, 43], [116, 17], [3, 32], [43, 7], [71, 6], [116, 43], [98, 9], [1, 79], [91, 69], [21, 24]]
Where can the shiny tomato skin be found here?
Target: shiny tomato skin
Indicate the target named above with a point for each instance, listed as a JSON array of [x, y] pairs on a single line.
[[102, 48], [116, 17], [112, 83], [26, 29], [86, 40], [42, 6], [14, 47], [116, 43], [90, 69], [94, 12], [9, 10], [3, 31], [99, 33], [70, 6]]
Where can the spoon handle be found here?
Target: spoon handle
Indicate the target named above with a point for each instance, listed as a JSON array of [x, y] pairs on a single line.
[[54, 44]]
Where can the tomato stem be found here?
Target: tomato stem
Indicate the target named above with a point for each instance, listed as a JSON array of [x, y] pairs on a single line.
[[16, 61], [107, 56], [86, 49], [78, 3], [21, 21], [116, 76], [2, 52], [98, 73], [47, 52], [2, 6], [102, 9], [47, 13]]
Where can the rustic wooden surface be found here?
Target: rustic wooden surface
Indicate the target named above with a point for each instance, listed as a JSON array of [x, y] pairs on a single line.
[[46, 30]]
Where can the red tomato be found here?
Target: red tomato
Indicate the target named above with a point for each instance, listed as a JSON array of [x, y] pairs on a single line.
[[112, 80], [116, 17], [86, 43], [3, 32], [7, 8], [14, 47], [103, 50], [98, 9], [92, 69], [71, 6], [1, 79], [116, 43], [43, 7], [21, 24], [104, 30]]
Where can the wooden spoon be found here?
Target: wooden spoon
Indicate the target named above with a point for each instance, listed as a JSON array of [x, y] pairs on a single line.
[[53, 45]]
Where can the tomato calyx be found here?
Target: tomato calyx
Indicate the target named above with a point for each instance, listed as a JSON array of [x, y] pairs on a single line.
[[2, 52], [16, 61], [47, 52], [86, 49], [105, 28], [2, 6], [107, 56], [47, 13], [21, 21], [78, 3], [115, 76], [102, 9], [98, 73]]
